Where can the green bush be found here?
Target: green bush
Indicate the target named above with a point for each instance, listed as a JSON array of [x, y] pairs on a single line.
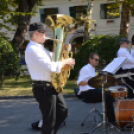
[[9, 62], [72, 74], [105, 46]]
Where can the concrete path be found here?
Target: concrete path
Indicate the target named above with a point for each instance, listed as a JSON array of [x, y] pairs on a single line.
[[16, 116]]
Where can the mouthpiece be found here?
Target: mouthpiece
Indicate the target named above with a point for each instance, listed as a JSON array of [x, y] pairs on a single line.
[[47, 38]]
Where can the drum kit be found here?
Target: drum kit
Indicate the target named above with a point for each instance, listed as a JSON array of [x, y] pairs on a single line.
[[124, 108]]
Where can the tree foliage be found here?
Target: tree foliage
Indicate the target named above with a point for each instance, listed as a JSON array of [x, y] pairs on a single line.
[[105, 46], [17, 13], [113, 9], [127, 6], [9, 62], [27, 8]]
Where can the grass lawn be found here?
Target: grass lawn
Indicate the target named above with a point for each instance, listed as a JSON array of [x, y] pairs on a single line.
[[23, 86]]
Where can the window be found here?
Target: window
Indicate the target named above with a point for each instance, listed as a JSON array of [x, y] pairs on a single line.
[[132, 12], [47, 11], [77, 11], [107, 10]]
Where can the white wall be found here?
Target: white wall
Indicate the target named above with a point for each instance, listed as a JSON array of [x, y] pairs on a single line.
[[102, 27], [105, 28]]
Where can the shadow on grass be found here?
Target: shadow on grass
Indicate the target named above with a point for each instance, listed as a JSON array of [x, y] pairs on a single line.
[[70, 86], [2, 88], [21, 77], [24, 86], [17, 84], [11, 92]]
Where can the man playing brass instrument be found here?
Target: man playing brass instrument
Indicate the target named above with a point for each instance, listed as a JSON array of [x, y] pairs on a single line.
[[128, 66], [40, 67]]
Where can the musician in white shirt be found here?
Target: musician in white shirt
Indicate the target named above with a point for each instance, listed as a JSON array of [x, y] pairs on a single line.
[[128, 66], [90, 93], [40, 67]]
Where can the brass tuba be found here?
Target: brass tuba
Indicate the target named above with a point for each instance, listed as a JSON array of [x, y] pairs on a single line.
[[60, 24]]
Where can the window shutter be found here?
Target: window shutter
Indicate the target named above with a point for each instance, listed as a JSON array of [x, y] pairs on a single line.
[[56, 10], [119, 14], [41, 10], [102, 11], [72, 11], [133, 11], [84, 9], [42, 15]]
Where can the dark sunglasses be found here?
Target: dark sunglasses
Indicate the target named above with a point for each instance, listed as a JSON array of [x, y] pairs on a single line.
[[96, 59], [41, 32]]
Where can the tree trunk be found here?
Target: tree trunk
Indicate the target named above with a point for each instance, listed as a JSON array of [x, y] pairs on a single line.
[[2, 81], [86, 32], [23, 23], [125, 19]]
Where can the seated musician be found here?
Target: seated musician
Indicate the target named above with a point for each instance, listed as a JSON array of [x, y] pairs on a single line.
[[90, 93], [128, 66]]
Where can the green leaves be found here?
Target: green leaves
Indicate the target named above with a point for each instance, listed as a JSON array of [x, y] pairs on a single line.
[[105, 46], [9, 62]]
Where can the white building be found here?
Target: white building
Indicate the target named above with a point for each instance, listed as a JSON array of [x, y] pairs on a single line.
[[105, 25]]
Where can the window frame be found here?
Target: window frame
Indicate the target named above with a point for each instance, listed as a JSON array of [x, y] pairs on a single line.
[[105, 11], [73, 12], [43, 13]]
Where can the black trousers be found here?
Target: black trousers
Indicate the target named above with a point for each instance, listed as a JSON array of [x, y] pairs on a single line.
[[129, 82], [96, 96], [52, 106]]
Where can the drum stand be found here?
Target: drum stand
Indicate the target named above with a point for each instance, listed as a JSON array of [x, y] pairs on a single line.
[[104, 123], [126, 83]]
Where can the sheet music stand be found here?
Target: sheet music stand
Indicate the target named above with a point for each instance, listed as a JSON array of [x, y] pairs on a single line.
[[115, 65]]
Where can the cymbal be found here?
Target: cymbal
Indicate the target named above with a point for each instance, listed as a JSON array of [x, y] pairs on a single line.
[[98, 81]]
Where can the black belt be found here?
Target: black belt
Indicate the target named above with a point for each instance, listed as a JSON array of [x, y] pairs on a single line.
[[42, 83]]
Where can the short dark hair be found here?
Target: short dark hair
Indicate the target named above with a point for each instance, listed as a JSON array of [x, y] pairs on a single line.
[[91, 56], [37, 26]]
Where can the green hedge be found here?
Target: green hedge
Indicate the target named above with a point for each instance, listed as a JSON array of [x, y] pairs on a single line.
[[9, 62], [105, 46]]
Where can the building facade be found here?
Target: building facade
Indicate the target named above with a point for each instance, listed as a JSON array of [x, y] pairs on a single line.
[[105, 24]]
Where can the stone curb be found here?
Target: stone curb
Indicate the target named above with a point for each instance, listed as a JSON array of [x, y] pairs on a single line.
[[28, 97]]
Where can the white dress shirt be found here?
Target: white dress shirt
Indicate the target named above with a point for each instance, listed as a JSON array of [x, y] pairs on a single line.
[[86, 73], [123, 52], [39, 63]]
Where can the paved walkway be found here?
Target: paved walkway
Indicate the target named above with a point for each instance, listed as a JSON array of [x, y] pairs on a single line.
[[16, 116]]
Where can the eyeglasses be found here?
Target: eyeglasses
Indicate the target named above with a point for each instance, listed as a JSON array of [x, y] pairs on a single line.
[[41, 32], [97, 60]]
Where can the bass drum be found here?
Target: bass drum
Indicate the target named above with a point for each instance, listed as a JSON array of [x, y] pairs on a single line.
[[124, 111]]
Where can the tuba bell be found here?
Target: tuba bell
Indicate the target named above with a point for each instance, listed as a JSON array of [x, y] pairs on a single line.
[[61, 25]]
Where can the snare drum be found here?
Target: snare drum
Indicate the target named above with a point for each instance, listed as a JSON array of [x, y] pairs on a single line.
[[118, 92]]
